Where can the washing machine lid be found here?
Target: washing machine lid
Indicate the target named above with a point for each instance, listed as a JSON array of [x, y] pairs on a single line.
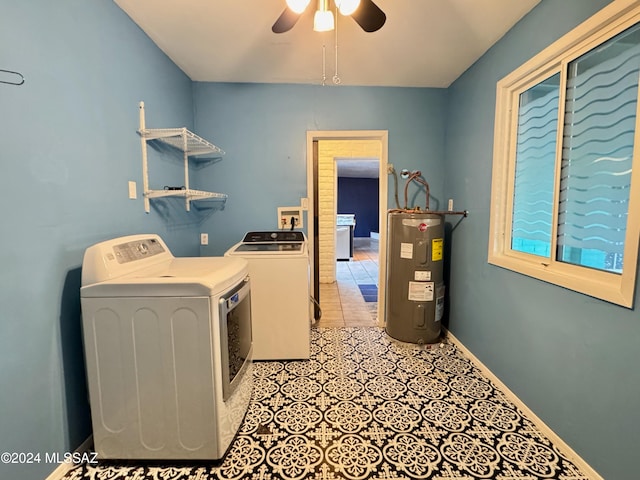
[[276, 243]]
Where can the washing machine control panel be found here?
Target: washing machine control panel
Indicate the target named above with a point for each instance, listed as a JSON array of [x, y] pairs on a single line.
[[278, 236]]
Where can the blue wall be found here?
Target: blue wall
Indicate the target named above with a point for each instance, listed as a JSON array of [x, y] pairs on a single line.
[[68, 147], [572, 359], [360, 196], [263, 129]]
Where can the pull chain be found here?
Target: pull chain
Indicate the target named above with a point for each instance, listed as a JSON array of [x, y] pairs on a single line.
[[324, 64], [336, 78]]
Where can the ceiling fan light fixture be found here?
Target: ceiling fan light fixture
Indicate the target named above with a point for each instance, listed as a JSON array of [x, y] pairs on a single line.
[[365, 13], [323, 19], [347, 7], [298, 6]]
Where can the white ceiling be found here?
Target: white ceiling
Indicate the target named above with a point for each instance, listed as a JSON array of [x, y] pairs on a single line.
[[358, 167], [424, 43]]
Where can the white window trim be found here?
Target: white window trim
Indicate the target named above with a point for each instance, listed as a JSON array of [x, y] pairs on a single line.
[[611, 287]]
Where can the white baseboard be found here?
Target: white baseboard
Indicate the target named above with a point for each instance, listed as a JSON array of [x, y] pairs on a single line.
[[544, 428], [375, 235], [63, 468]]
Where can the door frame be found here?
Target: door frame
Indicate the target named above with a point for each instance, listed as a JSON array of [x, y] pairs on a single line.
[[383, 137]]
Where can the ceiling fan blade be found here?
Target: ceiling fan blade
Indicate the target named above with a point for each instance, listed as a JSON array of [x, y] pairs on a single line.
[[369, 16], [285, 21]]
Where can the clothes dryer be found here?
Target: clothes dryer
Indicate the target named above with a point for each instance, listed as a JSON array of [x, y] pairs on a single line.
[[168, 350]]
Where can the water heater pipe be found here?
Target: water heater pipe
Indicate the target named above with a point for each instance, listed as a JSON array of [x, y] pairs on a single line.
[[416, 176]]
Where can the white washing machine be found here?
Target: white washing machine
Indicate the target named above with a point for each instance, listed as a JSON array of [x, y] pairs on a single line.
[[281, 308], [168, 350]]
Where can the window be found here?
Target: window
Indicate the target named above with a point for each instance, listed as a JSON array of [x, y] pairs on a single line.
[[565, 207]]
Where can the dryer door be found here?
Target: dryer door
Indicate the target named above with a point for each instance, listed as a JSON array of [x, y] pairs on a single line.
[[236, 336]]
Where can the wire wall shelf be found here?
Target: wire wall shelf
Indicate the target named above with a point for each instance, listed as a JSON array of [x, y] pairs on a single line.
[[190, 145], [183, 140]]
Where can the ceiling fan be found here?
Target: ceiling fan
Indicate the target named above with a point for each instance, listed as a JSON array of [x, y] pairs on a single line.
[[365, 13]]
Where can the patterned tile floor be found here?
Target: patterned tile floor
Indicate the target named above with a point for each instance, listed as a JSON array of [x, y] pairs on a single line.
[[367, 407]]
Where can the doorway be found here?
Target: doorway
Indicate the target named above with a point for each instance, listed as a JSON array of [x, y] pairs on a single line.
[[321, 236]]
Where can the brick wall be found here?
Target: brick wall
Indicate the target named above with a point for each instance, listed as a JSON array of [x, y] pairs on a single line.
[[328, 151]]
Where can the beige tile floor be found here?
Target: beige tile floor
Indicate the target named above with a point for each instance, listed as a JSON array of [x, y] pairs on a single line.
[[341, 302]]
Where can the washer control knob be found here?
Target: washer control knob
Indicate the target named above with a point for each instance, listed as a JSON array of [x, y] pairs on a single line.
[[274, 235]]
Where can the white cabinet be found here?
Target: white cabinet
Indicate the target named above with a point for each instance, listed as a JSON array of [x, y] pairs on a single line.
[[191, 146], [345, 224], [343, 237]]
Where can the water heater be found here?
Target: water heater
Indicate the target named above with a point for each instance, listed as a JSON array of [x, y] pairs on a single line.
[[415, 286]]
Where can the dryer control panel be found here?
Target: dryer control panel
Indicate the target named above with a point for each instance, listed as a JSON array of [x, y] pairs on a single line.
[[137, 250], [122, 256]]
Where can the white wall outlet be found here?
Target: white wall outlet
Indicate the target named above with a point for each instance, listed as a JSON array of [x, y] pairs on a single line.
[[304, 203], [450, 206], [204, 239], [287, 215], [133, 194]]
